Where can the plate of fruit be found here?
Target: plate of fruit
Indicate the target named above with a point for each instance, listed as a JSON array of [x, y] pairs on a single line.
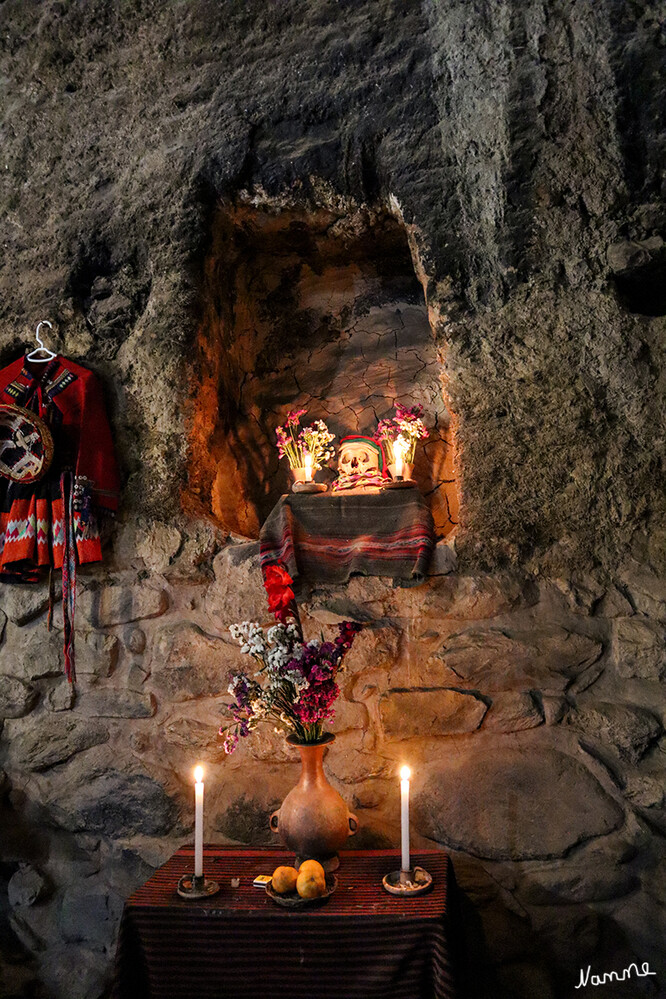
[[307, 886]]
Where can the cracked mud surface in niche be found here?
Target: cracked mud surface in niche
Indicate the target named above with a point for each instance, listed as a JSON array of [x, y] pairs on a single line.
[[316, 311]]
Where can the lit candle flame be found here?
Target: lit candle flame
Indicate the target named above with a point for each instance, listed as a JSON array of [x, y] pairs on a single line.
[[400, 447], [198, 774], [405, 773], [307, 460]]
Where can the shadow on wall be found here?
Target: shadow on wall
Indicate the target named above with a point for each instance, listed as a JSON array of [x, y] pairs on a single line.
[[544, 951]]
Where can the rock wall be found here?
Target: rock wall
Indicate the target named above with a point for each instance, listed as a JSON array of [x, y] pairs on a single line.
[[520, 146]]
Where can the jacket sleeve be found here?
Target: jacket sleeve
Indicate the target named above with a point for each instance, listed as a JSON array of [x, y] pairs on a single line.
[[96, 460]]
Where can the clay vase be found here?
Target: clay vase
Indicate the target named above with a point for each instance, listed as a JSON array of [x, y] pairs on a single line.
[[313, 820]]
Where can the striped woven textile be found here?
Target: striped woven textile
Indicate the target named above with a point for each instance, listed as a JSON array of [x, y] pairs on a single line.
[[326, 538], [361, 944]]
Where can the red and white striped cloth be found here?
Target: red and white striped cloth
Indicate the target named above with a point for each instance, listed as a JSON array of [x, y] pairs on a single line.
[[327, 537]]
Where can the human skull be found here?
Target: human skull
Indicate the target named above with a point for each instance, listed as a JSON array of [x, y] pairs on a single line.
[[360, 466], [357, 457]]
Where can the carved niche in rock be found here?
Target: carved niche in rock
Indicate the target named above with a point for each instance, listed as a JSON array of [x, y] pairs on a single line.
[[316, 309]]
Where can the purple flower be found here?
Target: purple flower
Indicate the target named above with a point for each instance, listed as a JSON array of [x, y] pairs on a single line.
[[320, 672], [240, 688], [301, 706], [348, 632], [315, 705]]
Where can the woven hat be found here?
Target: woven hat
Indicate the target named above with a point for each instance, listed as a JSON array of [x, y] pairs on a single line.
[[26, 444]]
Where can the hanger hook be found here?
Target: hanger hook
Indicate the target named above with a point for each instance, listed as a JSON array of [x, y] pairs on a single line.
[[39, 340]]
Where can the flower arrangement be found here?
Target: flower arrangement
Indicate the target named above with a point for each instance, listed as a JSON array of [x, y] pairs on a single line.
[[295, 685], [406, 428], [295, 442]]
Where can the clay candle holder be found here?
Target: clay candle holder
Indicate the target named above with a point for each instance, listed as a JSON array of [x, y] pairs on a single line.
[[196, 885], [408, 881], [401, 471], [304, 481]]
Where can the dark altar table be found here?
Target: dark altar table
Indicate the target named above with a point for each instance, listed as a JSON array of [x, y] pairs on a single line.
[[327, 537], [361, 944]]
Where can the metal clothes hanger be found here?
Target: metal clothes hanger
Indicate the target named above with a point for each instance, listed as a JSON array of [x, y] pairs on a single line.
[[44, 352]]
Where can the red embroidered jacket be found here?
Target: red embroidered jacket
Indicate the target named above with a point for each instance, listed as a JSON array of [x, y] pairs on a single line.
[[69, 398]]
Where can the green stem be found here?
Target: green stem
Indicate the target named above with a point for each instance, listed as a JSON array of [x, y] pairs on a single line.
[[298, 458]]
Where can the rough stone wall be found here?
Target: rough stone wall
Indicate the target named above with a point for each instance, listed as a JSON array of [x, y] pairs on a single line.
[[522, 147]]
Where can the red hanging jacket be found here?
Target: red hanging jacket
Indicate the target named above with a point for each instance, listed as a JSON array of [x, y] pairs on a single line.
[[69, 399]]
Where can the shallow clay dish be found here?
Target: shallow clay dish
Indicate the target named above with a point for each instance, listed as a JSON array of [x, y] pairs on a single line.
[[292, 900]]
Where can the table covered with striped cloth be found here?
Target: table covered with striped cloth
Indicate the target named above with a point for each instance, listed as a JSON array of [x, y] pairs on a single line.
[[327, 537], [362, 943]]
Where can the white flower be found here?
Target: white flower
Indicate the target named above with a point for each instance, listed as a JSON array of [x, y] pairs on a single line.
[[296, 679], [277, 635]]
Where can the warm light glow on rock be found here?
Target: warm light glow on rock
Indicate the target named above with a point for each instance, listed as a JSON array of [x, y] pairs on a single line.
[[285, 325]]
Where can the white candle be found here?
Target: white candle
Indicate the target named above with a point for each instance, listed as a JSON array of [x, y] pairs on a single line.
[[405, 774], [400, 446], [198, 821], [307, 459]]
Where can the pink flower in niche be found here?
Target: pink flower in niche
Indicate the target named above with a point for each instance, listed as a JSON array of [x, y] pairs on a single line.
[[294, 417]]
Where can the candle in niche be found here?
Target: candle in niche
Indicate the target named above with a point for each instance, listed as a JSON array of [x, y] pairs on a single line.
[[198, 821], [405, 775], [399, 450], [307, 461]]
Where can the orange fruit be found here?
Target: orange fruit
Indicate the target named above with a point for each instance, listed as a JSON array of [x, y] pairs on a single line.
[[311, 881], [312, 865], [284, 879]]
